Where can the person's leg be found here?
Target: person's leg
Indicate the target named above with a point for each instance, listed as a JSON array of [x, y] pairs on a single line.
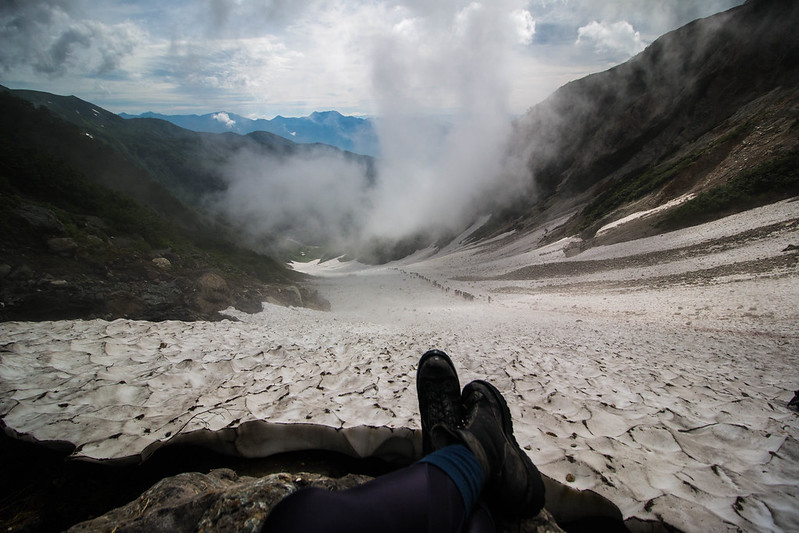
[[481, 520], [514, 487], [435, 495]]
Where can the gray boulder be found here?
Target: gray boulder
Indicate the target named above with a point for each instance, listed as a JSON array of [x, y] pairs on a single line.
[[40, 218], [62, 245]]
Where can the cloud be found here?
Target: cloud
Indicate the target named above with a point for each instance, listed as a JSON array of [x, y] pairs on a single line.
[[651, 18], [617, 40], [525, 25], [436, 167], [440, 80], [319, 196], [237, 18], [292, 57], [434, 173], [46, 38], [225, 119]]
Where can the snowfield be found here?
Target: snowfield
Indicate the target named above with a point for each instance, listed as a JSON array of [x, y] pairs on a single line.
[[655, 372]]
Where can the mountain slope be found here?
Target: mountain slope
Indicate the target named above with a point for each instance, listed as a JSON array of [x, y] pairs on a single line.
[[183, 161], [188, 164], [701, 106], [348, 133], [75, 244]]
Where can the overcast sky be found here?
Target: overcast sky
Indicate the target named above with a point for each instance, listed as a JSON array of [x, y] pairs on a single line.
[[260, 58]]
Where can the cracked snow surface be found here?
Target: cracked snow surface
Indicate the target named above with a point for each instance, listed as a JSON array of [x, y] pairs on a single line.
[[654, 372]]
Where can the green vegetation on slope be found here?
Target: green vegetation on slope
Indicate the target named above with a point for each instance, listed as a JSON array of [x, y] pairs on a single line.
[[638, 185], [47, 162], [769, 182], [27, 174], [94, 216], [633, 189]]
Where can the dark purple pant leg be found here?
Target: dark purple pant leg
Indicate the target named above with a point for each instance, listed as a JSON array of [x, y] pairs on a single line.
[[418, 498], [480, 521]]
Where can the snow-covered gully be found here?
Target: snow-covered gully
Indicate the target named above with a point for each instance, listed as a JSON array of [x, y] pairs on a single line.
[[661, 385]]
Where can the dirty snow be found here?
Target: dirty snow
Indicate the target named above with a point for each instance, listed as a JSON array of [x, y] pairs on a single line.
[[654, 372]]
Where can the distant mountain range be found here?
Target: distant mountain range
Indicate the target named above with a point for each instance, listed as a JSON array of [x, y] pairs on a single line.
[[188, 164], [352, 134]]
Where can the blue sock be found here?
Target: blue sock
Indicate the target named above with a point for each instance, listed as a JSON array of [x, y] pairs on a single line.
[[462, 467]]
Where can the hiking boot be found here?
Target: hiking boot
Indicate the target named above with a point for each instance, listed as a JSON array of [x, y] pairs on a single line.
[[513, 488], [439, 395]]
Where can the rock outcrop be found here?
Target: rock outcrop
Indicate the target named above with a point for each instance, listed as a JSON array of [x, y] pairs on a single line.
[[140, 288], [222, 501]]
